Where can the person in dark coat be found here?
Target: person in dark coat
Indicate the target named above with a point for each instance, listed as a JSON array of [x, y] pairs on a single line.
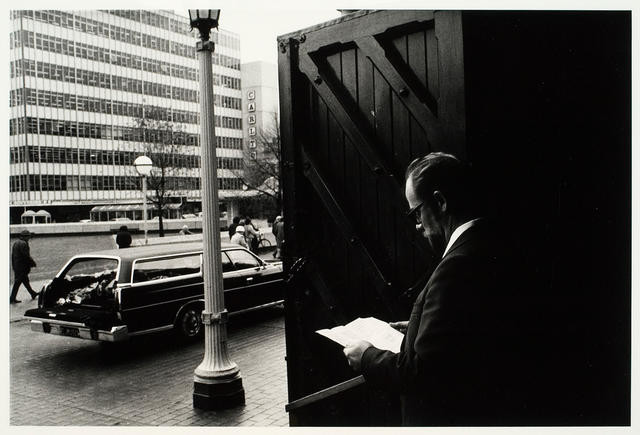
[[232, 227], [123, 237], [458, 360], [21, 262], [278, 232]]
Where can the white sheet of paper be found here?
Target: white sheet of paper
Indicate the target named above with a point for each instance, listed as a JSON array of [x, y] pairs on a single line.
[[375, 331]]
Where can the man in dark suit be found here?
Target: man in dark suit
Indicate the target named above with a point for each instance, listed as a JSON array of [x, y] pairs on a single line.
[[459, 355], [21, 262]]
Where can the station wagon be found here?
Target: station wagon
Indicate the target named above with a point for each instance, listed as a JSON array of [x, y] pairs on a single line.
[[113, 295]]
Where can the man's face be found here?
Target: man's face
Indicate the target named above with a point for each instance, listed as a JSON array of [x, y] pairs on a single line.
[[428, 224]]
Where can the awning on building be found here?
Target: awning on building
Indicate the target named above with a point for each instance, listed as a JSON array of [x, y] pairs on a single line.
[[236, 194], [131, 207]]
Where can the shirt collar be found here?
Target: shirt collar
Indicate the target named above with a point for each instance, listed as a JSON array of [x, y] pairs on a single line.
[[458, 232]]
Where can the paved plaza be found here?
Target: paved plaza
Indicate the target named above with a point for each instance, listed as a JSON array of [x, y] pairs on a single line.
[[148, 381]]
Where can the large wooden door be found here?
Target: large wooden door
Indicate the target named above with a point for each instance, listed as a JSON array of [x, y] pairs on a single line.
[[360, 99], [539, 103]]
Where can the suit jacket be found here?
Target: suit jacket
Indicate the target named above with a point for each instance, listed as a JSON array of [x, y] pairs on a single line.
[[456, 364]]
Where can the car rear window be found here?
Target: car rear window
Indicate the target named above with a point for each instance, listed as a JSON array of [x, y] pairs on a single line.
[[166, 267], [87, 280], [91, 266]]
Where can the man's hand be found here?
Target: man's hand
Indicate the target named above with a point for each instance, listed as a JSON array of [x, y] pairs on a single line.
[[354, 352], [400, 326]]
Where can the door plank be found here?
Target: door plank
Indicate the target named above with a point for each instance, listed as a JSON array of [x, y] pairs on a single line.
[[426, 119], [346, 228]]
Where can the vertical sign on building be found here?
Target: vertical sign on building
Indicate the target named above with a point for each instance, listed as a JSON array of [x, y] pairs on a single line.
[[251, 119]]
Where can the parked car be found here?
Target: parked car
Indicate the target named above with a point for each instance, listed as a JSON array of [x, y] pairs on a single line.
[[189, 216], [113, 295]]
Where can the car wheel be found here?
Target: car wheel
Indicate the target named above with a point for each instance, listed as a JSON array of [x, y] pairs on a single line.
[[189, 325]]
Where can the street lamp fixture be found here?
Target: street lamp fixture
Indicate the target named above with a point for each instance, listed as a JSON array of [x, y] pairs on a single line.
[[144, 165], [217, 383], [204, 20]]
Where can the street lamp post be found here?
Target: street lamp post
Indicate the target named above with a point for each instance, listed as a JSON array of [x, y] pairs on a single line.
[[217, 381], [143, 166]]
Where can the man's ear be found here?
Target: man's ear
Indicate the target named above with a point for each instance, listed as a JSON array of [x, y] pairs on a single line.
[[440, 201]]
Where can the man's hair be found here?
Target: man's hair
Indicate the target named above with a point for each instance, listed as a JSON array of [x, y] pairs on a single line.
[[236, 219], [448, 174]]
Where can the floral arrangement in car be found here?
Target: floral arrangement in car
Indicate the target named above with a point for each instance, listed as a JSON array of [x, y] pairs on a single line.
[[101, 288]]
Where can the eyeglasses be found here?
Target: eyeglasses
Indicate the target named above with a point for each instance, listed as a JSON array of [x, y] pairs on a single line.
[[414, 212]]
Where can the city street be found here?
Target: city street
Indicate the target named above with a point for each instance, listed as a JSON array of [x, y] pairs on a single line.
[[147, 381]]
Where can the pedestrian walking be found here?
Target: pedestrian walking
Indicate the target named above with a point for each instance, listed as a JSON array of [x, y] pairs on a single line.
[[232, 227], [238, 237], [252, 234], [21, 262], [123, 238], [278, 232]]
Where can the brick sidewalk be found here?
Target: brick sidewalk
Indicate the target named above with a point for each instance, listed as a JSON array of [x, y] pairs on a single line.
[[148, 382]]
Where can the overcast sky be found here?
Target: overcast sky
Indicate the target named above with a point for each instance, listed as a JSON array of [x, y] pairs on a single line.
[[259, 28]]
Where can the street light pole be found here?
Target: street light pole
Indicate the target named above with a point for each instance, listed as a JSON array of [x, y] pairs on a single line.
[[144, 165], [217, 380], [144, 207]]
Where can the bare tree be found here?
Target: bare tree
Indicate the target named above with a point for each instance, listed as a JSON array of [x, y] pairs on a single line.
[[162, 140], [261, 172]]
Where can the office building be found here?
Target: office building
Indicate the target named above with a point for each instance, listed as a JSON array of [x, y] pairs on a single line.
[[79, 83]]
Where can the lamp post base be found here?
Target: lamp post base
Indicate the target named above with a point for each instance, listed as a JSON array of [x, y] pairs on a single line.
[[218, 394]]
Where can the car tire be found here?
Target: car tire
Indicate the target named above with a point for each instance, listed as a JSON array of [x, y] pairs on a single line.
[[189, 324]]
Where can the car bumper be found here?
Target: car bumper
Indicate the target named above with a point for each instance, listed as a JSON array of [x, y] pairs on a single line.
[[79, 330]]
